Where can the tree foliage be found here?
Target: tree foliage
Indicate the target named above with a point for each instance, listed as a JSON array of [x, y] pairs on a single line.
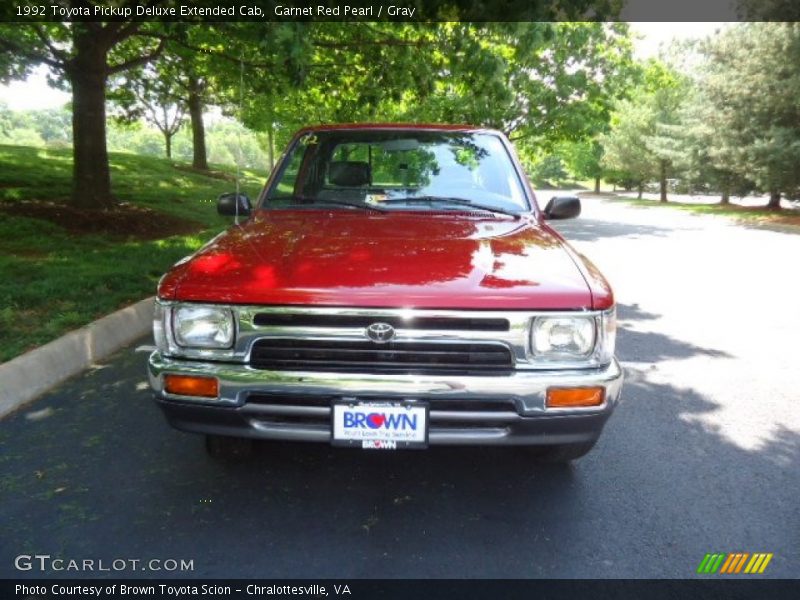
[[730, 122], [627, 158], [153, 93], [539, 82], [640, 146], [749, 93], [584, 159]]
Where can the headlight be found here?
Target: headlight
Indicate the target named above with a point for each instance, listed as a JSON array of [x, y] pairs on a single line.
[[579, 340], [563, 337], [203, 327]]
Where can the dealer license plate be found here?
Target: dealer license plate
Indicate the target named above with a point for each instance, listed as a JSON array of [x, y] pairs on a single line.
[[380, 425]]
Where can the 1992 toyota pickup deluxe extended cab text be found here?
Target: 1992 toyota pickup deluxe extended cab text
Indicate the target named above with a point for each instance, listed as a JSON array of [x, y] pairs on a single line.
[[393, 286]]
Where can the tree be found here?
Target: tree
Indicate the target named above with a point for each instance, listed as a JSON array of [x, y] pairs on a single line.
[[549, 170], [151, 92], [324, 72], [196, 89], [627, 156], [538, 82], [5, 119], [55, 126], [255, 71], [195, 68], [541, 83], [639, 146], [664, 89], [749, 83], [691, 150], [82, 56], [584, 160]]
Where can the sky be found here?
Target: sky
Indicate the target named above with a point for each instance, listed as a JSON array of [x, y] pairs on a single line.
[[654, 35], [34, 93]]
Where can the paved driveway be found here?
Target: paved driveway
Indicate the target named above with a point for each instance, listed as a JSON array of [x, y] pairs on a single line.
[[701, 456]]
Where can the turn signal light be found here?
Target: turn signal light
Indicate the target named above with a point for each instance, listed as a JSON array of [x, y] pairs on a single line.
[[187, 385], [575, 397]]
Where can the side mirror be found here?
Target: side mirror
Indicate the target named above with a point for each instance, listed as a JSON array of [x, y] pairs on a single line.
[[226, 204], [563, 207]]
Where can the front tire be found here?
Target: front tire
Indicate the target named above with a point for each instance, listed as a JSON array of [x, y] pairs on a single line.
[[229, 449]]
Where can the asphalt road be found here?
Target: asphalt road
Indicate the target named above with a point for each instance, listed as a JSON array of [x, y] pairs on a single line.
[[701, 456]]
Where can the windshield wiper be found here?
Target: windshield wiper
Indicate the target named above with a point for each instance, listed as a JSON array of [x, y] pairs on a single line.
[[305, 200], [452, 200]]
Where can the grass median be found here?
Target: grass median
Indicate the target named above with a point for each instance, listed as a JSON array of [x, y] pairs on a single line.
[[752, 215], [61, 268]]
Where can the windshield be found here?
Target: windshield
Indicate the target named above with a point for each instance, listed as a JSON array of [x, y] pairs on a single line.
[[397, 170]]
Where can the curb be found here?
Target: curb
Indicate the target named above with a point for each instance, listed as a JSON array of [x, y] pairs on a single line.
[[25, 377]]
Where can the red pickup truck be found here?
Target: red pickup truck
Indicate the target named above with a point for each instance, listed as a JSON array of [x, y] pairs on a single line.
[[393, 286]]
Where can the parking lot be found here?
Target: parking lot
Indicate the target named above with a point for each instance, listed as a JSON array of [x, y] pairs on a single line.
[[701, 456]]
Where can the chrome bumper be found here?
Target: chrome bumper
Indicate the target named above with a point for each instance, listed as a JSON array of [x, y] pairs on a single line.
[[509, 409]]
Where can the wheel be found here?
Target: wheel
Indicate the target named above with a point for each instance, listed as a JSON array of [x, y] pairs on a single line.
[[561, 453], [229, 448]]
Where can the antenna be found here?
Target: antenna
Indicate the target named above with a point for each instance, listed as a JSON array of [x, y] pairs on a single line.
[[239, 138]]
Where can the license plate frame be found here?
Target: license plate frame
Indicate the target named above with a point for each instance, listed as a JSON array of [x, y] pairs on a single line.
[[369, 437]]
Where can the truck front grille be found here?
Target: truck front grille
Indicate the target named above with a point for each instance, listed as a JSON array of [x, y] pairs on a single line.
[[419, 323], [367, 356]]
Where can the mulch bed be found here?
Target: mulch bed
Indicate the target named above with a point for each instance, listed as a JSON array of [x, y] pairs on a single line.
[[124, 220], [777, 215]]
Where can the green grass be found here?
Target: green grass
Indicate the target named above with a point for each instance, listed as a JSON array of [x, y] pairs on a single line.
[[52, 281]]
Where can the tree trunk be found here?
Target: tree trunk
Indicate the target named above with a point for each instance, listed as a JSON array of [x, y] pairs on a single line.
[[641, 189], [168, 144], [271, 146], [596, 185], [774, 199], [195, 102], [662, 179], [91, 175], [726, 195]]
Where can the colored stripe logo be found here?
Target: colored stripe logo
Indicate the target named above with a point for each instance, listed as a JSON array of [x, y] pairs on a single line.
[[734, 562]]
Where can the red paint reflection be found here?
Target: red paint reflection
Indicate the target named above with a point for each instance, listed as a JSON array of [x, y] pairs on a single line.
[[345, 257]]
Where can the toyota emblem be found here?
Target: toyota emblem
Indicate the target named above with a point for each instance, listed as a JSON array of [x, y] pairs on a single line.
[[380, 333]]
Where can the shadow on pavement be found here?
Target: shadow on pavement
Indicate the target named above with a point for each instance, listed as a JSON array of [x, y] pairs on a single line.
[[589, 230], [632, 312], [102, 476], [651, 347]]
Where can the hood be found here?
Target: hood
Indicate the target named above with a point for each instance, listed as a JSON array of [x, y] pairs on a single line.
[[399, 259]]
